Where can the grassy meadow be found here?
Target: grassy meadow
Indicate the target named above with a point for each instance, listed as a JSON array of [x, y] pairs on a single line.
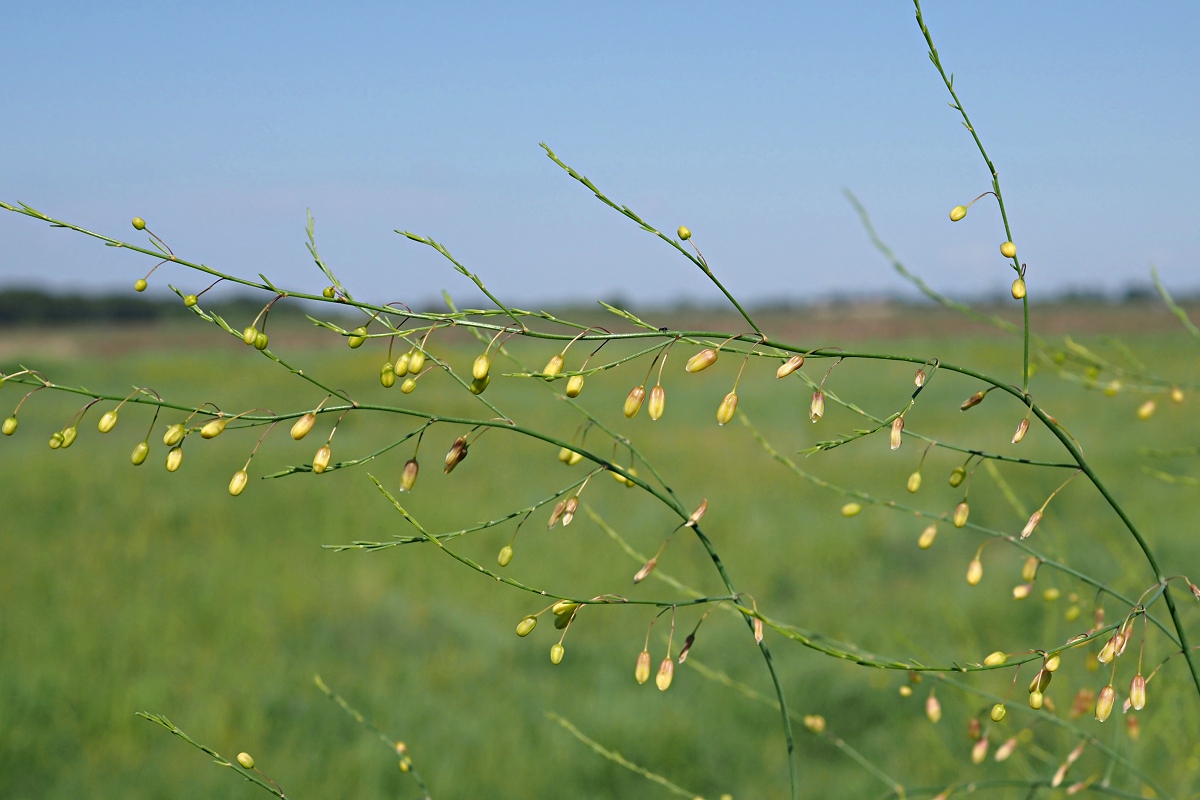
[[127, 589]]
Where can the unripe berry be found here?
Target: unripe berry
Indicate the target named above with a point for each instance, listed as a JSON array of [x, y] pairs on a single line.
[[957, 213], [554, 365], [214, 428], [140, 285], [416, 360], [190, 300], [238, 483], [914, 482], [556, 654], [1104, 703], [974, 572], [816, 409], [69, 436], [139, 224], [479, 370], [174, 434], [526, 626], [633, 403], [961, 512], [408, 477], [927, 537], [108, 421], [574, 385], [506, 554], [303, 426], [1146, 410], [658, 401], [260, 341], [998, 712], [140, 451], [642, 671], [357, 337], [957, 476], [174, 458], [1008, 250], [666, 673], [726, 409], [684, 233], [1137, 693], [10, 426], [250, 334], [245, 760], [851, 509], [788, 367], [401, 366], [702, 360], [320, 461], [1018, 289], [479, 385], [408, 386], [387, 376]]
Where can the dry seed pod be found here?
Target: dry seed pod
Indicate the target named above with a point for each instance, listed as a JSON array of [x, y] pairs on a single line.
[[1034, 519], [1146, 410], [646, 569], [174, 434], [1008, 250], [400, 368], [553, 366], [788, 367], [1137, 692], [897, 431], [927, 537], [1005, 750], [245, 760], [1018, 289], [320, 461], [815, 723], [726, 409], [557, 513], [933, 709], [408, 477], [416, 361], [961, 512], [556, 654], [698, 514], [107, 421], [633, 403], [851, 509], [481, 367], [957, 213], [642, 671], [1022, 429], [1104, 703], [238, 483], [569, 510], [140, 451], [979, 751], [816, 409], [174, 458], [387, 375], [974, 572], [458, 451], [666, 672], [574, 385], [914, 482], [972, 401], [957, 476], [526, 626], [658, 401], [998, 712], [304, 425], [1029, 569], [505, 557], [213, 428], [702, 360]]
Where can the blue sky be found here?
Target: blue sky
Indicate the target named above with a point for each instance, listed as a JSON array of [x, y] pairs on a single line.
[[220, 123]]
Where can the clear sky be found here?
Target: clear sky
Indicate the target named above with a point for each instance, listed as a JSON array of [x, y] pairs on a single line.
[[220, 123]]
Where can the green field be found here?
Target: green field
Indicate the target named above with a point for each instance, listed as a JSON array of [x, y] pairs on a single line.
[[129, 589]]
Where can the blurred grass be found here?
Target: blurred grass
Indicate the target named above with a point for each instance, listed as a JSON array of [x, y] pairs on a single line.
[[126, 589]]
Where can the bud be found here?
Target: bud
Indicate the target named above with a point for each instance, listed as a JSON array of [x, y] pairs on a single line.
[[10, 426], [1051, 594], [574, 385], [1029, 569], [1146, 410], [408, 477], [408, 386], [174, 434], [687, 647], [174, 458], [979, 751], [328, 292], [815, 723], [139, 224], [697, 515], [569, 510], [666, 671], [140, 451], [249, 334], [387, 375], [213, 428], [972, 401], [140, 285], [564, 608], [1022, 429], [817, 409], [304, 425], [1005, 750], [1072, 613], [1137, 692], [1018, 289], [1082, 703], [726, 409], [1133, 727], [897, 430], [1022, 590], [1041, 681], [481, 367], [556, 654], [933, 709], [995, 659], [56, 440], [1109, 651], [957, 476], [658, 401], [1008, 250], [642, 671], [526, 626], [974, 729], [633, 403], [416, 360], [961, 512], [927, 537], [320, 461], [1176, 394], [702, 360], [914, 482], [400, 368], [506, 554], [974, 572], [245, 760], [458, 451], [1053, 663], [479, 385], [238, 484], [646, 569], [998, 712], [1112, 388], [788, 367], [357, 337], [68, 436], [1036, 700], [1059, 776], [107, 421], [919, 378], [684, 233], [1104, 703], [1034, 519], [957, 213], [562, 622], [564, 455], [851, 509], [260, 341]]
